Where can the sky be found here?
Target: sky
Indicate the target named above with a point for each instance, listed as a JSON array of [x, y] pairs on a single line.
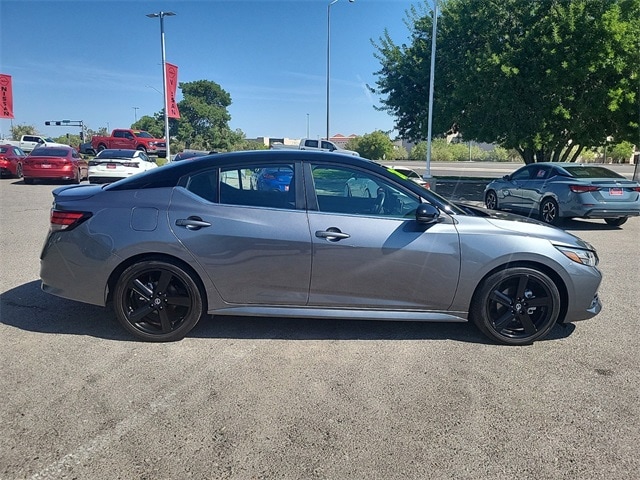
[[99, 61]]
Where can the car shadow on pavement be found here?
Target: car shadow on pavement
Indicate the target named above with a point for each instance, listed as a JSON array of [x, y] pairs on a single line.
[[28, 308]]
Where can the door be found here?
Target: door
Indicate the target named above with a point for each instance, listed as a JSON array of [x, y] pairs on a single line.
[[371, 252], [254, 245], [531, 190]]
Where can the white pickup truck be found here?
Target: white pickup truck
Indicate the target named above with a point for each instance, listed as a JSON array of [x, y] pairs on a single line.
[[30, 142], [311, 144]]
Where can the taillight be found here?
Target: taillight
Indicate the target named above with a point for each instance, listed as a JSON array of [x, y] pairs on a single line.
[[130, 164], [583, 188], [60, 220], [636, 189]]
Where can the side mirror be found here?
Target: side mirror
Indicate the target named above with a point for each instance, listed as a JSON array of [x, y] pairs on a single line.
[[507, 177], [427, 214]]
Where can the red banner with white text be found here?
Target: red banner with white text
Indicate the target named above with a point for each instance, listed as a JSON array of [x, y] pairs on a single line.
[[172, 85], [6, 96]]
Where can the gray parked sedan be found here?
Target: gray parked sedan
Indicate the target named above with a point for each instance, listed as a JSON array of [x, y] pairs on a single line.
[[192, 238], [555, 191]]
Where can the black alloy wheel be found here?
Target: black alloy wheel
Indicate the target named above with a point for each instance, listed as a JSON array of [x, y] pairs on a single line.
[[158, 301], [491, 200], [516, 306]]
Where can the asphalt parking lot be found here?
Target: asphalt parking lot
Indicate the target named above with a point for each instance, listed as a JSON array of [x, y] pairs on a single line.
[[244, 398]]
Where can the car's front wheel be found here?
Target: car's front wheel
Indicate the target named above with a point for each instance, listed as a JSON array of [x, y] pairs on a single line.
[[158, 301], [491, 200], [616, 222], [516, 306]]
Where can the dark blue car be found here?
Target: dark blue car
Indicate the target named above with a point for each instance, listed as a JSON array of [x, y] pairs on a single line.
[[272, 179]]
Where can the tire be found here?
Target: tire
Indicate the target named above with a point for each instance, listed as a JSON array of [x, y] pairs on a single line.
[[491, 200], [142, 148], [19, 170], [101, 147], [616, 222], [516, 306], [77, 177], [549, 212], [158, 301]]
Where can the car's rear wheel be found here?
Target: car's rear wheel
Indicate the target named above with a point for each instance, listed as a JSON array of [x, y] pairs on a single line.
[[77, 177], [616, 222], [19, 171], [101, 147], [516, 306], [549, 212], [491, 200], [158, 301]]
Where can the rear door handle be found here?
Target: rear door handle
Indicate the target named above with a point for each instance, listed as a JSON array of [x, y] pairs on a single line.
[[192, 223]]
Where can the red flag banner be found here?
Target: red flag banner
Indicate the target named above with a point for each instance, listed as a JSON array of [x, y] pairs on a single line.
[[172, 85], [6, 97]]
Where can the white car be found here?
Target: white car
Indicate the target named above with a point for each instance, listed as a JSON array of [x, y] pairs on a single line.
[[111, 165], [410, 174]]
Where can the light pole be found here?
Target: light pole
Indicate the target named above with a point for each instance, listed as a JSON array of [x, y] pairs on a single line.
[[307, 125], [161, 16], [329, 55], [135, 113], [427, 175]]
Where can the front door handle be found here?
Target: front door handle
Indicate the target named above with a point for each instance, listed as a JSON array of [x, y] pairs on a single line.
[[192, 223], [332, 234]]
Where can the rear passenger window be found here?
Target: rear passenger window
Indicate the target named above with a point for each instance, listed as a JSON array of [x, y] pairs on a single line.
[[265, 185]]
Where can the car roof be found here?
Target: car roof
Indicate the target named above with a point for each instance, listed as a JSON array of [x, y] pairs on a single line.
[[169, 174]]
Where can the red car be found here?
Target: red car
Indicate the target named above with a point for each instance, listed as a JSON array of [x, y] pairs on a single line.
[[55, 163], [11, 160]]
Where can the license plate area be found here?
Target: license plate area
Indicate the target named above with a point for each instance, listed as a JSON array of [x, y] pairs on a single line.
[[616, 191]]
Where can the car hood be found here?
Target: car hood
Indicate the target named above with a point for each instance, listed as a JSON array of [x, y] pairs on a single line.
[[519, 225]]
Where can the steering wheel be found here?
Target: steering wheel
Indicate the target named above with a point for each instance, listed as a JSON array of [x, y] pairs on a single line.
[[377, 205]]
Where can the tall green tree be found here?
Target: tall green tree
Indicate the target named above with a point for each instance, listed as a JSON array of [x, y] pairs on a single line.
[[18, 130], [375, 145], [547, 78], [204, 118]]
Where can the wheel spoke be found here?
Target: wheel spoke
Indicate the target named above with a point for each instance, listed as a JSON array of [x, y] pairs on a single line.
[[141, 289], [165, 279], [527, 324], [165, 320], [139, 313], [504, 320], [179, 300], [539, 302], [501, 298], [522, 285]]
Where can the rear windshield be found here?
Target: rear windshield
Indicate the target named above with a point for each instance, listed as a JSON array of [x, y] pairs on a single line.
[[116, 154], [581, 171], [50, 152]]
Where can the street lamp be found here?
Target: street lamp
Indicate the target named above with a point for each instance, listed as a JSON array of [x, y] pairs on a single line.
[[329, 55], [427, 175], [161, 16], [135, 113]]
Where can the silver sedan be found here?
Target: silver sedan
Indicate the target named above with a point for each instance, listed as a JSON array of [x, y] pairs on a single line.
[[555, 191], [174, 244]]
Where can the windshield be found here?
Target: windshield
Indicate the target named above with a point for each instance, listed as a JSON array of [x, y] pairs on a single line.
[[142, 134], [581, 171]]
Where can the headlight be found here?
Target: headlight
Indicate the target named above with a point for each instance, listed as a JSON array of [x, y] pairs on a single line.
[[578, 255]]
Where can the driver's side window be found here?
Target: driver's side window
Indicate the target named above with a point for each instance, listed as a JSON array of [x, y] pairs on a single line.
[[357, 192]]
